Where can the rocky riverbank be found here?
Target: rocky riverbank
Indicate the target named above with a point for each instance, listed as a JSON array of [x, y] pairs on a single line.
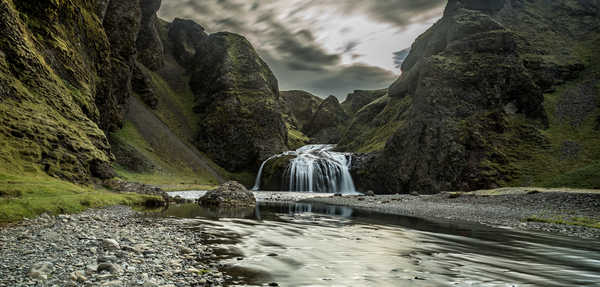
[[574, 214], [114, 246]]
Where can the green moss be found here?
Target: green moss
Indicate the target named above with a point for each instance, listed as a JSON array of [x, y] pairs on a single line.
[[175, 108], [36, 194], [373, 126], [296, 139], [566, 220], [548, 167], [167, 173]]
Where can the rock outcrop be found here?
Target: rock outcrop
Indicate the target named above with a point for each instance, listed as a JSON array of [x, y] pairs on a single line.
[[328, 122], [186, 37], [473, 89], [359, 98], [148, 43], [299, 107], [52, 60], [75, 65], [228, 194], [237, 100]]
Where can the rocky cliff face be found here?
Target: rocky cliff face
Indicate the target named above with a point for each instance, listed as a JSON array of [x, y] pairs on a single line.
[[300, 107], [69, 70], [328, 122], [237, 99], [54, 57], [476, 83], [359, 98]]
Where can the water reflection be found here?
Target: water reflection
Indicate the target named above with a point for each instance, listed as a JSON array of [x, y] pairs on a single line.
[[320, 245]]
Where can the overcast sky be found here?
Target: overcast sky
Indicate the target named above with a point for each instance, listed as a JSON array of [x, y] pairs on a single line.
[[327, 47]]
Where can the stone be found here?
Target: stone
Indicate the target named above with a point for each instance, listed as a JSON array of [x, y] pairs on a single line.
[[185, 250], [130, 249], [78, 276], [110, 267], [110, 244], [114, 283], [41, 270], [106, 258], [370, 193], [228, 194], [91, 269]]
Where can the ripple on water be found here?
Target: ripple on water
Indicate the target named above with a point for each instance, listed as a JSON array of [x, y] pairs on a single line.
[[325, 245]]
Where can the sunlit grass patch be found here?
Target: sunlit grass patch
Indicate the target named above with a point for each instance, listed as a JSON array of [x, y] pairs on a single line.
[[573, 221], [26, 196]]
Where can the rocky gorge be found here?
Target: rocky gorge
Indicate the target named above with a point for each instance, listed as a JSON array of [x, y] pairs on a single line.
[[106, 107]]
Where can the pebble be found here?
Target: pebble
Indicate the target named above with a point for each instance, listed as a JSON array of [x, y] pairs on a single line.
[[105, 247], [110, 244]]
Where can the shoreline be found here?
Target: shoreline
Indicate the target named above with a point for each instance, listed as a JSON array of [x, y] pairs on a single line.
[[526, 209], [113, 246]]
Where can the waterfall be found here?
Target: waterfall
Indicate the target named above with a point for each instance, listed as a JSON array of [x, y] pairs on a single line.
[[260, 170], [316, 168]]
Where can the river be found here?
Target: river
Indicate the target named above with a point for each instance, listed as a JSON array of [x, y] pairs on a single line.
[[295, 244]]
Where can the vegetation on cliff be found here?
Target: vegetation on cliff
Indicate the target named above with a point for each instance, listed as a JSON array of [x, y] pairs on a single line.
[[492, 100]]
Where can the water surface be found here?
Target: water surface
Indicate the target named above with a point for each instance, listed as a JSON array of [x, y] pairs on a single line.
[[322, 245]]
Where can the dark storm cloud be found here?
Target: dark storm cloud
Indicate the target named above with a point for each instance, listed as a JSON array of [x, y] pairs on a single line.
[[283, 32], [398, 12], [345, 80]]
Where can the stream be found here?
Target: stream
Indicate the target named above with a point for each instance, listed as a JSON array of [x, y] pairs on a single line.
[[296, 244]]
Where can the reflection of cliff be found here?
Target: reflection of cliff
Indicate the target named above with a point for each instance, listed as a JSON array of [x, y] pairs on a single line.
[[195, 211]]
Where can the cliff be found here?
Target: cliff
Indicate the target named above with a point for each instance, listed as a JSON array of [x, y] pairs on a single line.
[[96, 89], [493, 95]]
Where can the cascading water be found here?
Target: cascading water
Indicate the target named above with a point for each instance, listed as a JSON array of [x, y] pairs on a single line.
[[316, 168]]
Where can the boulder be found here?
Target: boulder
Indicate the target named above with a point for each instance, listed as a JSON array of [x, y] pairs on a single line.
[[229, 194]]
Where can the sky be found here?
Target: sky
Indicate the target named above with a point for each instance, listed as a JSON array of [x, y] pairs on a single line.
[[326, 47]]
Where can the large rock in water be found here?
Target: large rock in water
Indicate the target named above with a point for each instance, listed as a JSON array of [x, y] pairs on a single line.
[[470, 100], [237, 100], [228, 194]]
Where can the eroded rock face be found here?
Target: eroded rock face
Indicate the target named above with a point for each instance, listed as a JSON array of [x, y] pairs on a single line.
[[236, 98], [149, 46], [300, 106], [360, 98], [228, 194], [49, 116], [186, 37], [468, 79], [328, 122]]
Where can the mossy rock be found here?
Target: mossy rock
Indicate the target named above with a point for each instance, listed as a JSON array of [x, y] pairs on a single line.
[[237, 100], [477, 116], [275, 176]]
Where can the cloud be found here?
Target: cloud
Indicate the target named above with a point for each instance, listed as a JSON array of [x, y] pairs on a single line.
[[358, 76], [400, 56], [316, 45]]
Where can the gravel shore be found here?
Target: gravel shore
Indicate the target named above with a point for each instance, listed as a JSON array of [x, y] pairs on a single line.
[[105, 247], [517, 210]]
